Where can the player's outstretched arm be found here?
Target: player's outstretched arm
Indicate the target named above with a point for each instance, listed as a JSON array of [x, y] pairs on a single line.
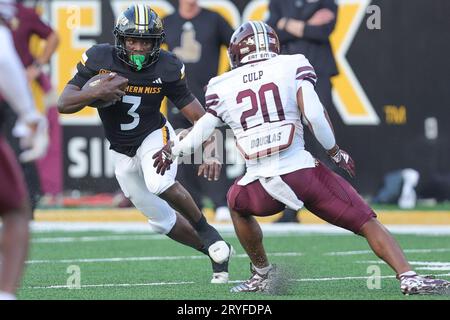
[[320, 125], [193, 111], [211, 166], [201, 131]]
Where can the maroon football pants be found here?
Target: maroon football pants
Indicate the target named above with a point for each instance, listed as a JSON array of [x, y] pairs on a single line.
[[12, 183], [324, 193]]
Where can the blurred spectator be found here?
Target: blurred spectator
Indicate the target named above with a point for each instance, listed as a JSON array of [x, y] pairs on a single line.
[[399, 188], [304, 27], [26, 24], [195, 35], [14, 205]]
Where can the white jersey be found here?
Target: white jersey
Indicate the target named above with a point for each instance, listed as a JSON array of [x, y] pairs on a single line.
[[259, 103]]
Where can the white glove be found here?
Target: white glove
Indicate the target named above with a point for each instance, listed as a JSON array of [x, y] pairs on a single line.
[[33, 135]]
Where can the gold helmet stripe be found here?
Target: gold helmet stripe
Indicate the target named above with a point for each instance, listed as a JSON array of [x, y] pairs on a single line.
[[146, 17], [136, 16]]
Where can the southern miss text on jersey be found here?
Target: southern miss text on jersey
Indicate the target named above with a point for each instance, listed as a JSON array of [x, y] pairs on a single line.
[[137, 114]]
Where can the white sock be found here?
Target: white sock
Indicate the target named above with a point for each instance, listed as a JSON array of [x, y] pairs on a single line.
[[7, 296], [264, 270], [408, 274]]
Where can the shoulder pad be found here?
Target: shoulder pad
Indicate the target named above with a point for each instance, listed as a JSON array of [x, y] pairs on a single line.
[[99, 56], [170, 67]]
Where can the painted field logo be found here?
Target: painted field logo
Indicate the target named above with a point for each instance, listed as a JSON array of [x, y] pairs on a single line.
[[74, 280], [374, 280]]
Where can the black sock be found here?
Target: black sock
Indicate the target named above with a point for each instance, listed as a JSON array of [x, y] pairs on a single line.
[[207, 233], [204, 250]]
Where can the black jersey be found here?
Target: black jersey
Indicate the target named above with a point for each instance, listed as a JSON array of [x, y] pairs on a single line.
[[128, 122]]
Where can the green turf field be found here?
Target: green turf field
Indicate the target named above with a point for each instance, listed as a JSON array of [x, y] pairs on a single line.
[[149, 266]]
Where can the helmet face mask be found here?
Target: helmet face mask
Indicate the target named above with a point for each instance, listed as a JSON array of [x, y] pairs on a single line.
[[142, 23], [253, 41]]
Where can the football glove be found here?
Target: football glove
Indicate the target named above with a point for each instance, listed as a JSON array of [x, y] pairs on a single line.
[[163, 158], [343, 160]]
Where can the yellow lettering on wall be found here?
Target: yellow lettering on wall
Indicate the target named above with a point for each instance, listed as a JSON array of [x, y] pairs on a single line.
[[395, 115], [74, 19]]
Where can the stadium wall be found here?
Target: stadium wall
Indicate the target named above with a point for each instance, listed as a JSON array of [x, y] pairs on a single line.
[[392, 101]]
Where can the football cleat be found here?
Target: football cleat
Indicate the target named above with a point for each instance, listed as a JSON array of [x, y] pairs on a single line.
[[220, 270], [257, 282], [416, 284]]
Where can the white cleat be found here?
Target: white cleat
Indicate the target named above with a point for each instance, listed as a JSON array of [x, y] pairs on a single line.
[[219, 251], [220, 277]]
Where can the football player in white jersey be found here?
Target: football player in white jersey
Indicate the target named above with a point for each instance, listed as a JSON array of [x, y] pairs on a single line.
[[265, 99], [15, 209]]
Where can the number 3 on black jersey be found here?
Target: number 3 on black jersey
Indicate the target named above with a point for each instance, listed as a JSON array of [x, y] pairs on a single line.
[[136, 102]]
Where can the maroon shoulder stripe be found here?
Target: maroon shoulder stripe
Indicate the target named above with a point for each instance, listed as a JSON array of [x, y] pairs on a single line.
[[211, 97], [305, 68], [214, 113], [306, 75]]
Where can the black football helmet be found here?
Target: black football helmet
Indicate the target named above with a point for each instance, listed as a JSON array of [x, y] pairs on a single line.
[[141, 22], [253, 41]]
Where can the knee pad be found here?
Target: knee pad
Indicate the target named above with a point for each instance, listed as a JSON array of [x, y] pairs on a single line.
[[162, 224]]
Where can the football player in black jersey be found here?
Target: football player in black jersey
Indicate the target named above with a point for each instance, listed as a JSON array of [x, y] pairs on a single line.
[[136, 128]]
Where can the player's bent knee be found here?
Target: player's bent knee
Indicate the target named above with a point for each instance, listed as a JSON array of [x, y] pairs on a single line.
[[158, 187], [163, 225]]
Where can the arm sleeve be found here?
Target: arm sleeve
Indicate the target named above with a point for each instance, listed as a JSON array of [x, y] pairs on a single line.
[[274, 16], [314, 113], [201, 131], [322, 33], [13, 81]]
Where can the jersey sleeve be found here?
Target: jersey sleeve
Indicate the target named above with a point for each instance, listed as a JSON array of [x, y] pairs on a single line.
[[213, 103], [175, 83], [179, 93], [304, 71], [87, 67]]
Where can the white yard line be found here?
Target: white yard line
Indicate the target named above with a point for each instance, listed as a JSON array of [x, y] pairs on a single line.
[[112, 285], [153, 258], [419, 265], [268, 228], [98, 238], [358, 252]]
